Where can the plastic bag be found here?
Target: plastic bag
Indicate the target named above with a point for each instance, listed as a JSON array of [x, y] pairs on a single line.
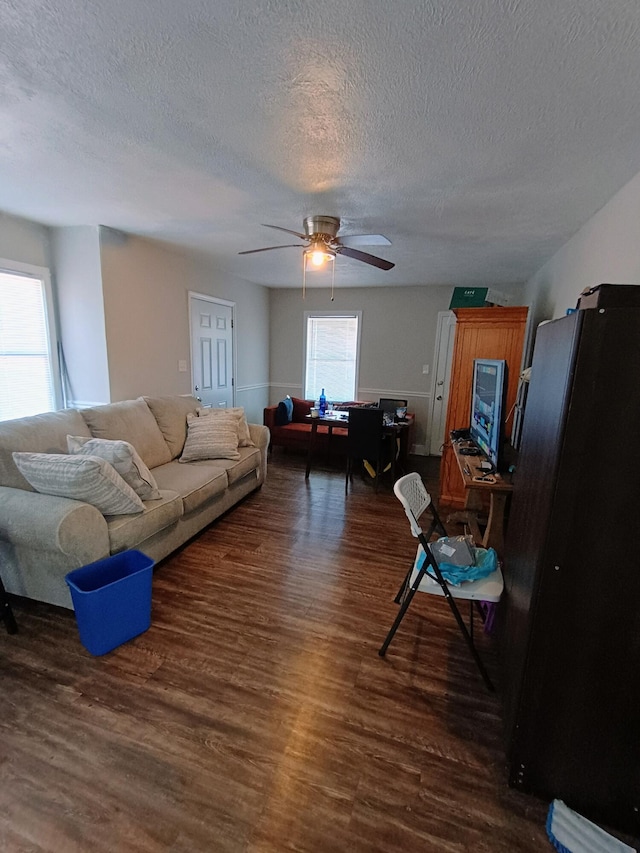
[[454, 550], [486, 562]]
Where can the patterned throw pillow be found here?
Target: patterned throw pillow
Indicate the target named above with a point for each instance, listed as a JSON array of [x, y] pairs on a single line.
[[211, 438], [83, 478], [244, 436], [124, 458]]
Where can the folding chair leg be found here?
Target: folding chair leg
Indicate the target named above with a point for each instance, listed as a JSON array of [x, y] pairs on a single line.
[[403, 587], [429, 561], [403, 609], [469, 640]]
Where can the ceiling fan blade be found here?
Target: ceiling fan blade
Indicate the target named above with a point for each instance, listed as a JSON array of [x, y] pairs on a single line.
[[286, 230], [365, 240], [269, 248], [364, 256]]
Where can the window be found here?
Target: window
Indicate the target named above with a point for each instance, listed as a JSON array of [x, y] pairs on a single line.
[[332, 346], [28, 360]]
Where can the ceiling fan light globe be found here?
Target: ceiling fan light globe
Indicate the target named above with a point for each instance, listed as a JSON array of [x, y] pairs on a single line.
[[318, 258]]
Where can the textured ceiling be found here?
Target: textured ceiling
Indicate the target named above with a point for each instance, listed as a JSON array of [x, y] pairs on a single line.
[[477, 136]]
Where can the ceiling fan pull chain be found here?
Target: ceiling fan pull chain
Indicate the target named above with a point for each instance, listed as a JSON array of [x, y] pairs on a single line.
[[304, 274], [333, 278]]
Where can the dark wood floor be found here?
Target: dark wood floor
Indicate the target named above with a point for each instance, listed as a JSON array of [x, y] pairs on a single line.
[[255, 714]]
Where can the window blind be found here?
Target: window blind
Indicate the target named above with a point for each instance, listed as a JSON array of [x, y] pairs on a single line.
[[331, 357], [26, 376]]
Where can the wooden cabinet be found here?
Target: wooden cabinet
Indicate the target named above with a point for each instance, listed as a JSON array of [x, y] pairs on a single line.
[[480, 333]]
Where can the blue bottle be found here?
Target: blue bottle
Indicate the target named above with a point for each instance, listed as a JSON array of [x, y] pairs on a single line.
[[323, 404]]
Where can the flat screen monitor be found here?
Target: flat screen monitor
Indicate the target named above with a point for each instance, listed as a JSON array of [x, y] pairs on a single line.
[[487, 405]]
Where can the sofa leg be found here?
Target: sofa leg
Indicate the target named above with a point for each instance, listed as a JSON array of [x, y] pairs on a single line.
[[6, 613]]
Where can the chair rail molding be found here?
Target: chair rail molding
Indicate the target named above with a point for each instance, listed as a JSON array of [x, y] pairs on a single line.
[[258, 386], [393, 392], [285, 385]]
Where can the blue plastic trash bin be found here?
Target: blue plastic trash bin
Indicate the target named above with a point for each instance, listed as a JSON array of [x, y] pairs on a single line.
[[112, 600]]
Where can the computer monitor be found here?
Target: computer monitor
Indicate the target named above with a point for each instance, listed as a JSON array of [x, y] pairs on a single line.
[[487, 406]]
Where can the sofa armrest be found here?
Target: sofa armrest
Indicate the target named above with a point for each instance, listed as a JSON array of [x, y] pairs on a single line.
[[260, 436], [269, 416], [49, 523]]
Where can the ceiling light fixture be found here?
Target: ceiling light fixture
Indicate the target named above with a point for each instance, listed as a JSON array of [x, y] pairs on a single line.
[[318, 254], [314, 259]]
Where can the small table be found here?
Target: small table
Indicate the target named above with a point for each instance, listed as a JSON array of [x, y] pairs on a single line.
[[330, 421], [399, 429], [476, 482]]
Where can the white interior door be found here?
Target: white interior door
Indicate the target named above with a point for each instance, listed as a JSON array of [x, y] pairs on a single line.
[[212, 350], [445, 335]]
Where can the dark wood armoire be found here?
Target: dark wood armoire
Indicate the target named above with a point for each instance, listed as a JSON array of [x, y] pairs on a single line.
[[570, 615]]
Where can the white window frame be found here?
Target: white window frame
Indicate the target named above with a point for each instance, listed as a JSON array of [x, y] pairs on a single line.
[[314, 314], [43, 275]]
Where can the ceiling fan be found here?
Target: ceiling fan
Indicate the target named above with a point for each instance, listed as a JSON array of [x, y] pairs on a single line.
[[323, 243]]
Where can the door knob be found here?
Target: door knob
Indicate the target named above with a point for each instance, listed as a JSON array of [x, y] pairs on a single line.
[[439, 397]]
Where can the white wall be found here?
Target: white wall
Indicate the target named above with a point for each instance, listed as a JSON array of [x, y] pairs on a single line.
[[397, 339], [146, 316], [251, 330], [605, 250], [24, 241], [123, 311], [146, 288], [81, 320]]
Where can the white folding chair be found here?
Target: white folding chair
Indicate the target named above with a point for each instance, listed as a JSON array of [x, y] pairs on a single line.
[[415, 499]]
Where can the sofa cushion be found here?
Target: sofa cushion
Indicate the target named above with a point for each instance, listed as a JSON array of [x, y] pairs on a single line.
[[124, 458], [244, 436], [211, 438], [45, 433], [305, 429], [128, 531], [195, 482], [83, 478], [171, 416], [132, 421], [249, 461], [301, 409]]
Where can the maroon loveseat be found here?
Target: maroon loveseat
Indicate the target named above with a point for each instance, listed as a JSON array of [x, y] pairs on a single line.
[[296, 434]]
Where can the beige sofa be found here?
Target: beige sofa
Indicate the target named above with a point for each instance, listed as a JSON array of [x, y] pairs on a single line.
[[42, 537]]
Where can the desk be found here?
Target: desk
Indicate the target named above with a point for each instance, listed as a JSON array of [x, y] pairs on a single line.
[[498, 491], [399, 429]]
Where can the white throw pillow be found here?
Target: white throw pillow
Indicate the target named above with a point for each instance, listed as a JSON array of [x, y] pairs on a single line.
[[83, 478], [211, 438], [244, 436], [124, 458]]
